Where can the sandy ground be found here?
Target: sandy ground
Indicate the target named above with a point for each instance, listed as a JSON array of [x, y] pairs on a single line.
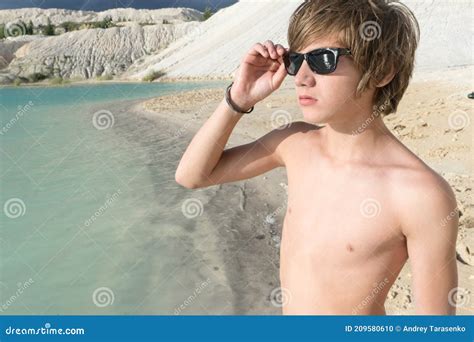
[[433, 120]]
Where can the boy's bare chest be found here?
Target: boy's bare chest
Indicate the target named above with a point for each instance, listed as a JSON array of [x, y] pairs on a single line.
[[341, 212]]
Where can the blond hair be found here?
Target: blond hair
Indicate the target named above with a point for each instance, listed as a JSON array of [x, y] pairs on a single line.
[[381, 34]]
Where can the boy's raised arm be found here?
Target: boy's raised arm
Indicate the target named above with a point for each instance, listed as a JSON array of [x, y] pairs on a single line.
[[205, 162]]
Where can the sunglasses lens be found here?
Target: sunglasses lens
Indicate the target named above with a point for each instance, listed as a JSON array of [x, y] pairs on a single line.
[[293, 62], [322, 62]]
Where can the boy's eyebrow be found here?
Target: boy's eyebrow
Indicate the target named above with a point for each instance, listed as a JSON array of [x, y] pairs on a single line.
[[333, 45], [337, 43]]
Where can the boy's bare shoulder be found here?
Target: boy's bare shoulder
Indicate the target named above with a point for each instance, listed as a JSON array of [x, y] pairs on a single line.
[[423, 181], [298, 127], [290, 136], [291, 133], [412, 172], [418, 189]]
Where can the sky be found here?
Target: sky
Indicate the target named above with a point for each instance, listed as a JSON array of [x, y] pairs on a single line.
[[100, 5]]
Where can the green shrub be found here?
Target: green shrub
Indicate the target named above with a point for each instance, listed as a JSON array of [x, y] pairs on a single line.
[[48, 30], [153, 75], [30, 28], [148, 23], [207, 13], [105, 77], [105, 23], [69, 26], [36, 77], [76, 79], [56, 81]]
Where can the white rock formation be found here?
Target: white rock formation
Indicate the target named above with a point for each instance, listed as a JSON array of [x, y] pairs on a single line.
[[9, 46], [95, 52], [39, 16]]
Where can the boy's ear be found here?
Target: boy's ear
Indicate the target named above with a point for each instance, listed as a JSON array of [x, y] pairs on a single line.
[[387, 78]]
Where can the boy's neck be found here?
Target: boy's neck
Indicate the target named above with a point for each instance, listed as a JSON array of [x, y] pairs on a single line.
[[355, 140]]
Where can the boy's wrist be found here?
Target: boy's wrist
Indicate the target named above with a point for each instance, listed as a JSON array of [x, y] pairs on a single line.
[[239, 100]]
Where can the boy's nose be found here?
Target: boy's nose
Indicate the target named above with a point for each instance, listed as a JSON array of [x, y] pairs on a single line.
[[305, 76]]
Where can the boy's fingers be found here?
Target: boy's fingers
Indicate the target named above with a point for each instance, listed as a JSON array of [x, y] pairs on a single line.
[[271, 48], [279, 76], [280, 49], [263, 50], [259, 49]]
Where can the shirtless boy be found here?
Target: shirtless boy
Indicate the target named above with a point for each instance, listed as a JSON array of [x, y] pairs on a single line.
[[360, 203]]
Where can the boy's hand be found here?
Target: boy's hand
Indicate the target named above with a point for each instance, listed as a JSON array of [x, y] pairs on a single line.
[[261, 72]]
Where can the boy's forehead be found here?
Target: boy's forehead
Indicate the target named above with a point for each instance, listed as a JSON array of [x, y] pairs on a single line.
[[323, 42]]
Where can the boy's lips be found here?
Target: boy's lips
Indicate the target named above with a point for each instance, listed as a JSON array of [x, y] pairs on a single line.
[[306, 97], [306, 100]]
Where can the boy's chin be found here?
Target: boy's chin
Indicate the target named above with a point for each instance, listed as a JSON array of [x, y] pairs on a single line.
[[316, 117]]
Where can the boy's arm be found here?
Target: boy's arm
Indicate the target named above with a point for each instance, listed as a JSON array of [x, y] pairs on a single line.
[[431, 226], [205, 162]]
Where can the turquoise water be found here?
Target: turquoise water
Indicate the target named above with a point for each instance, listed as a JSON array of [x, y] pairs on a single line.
[[92, 219]]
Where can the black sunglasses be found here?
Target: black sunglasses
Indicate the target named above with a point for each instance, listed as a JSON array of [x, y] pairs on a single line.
[[321, 61]]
